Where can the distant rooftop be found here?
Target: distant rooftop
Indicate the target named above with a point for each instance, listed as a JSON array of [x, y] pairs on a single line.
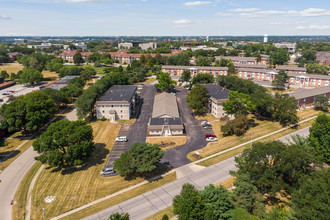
[[310, 92], [217, 92], [119, 93]]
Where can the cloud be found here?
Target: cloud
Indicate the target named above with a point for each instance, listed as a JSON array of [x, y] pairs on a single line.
[[182, 21], [4, 17], [250, 15], [223, 14], [197, 3], [311, 12], [279, 22], [244, 9], [313, 27], [78, 1]]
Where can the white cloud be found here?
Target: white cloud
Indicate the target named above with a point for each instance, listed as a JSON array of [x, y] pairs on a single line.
[[78, 1], [244, 9], [196, 3], [279, 22], [182, 21], [310, 12], [251, 15], [313, 27], [4, 17], [223, 14]]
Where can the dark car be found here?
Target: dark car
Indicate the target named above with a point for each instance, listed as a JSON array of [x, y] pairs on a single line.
[[158, 90], [5, 93], [209, 135]]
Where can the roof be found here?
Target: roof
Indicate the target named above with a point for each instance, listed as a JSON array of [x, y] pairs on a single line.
[[119, 93], [291, 68], [236, 58], [196, 67], [165, 104], [165, 121], [311, 92], [217, 92], [65, 79], [311, 76], [251, 70], [250, 66]]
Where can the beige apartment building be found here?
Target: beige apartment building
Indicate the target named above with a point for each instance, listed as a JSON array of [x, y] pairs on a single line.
[[118, 103], [217, 95]]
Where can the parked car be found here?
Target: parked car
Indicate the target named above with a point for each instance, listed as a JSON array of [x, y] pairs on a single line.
[[11, 91], [1, 100], [108, 170], [121, 139], [209, 135], [5, 93], [207, 126], [205, 122], [180, 84], [210, 139], [158, 90]]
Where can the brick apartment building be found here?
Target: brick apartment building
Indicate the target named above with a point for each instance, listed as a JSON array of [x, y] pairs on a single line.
[[178, 70], [307, 97]]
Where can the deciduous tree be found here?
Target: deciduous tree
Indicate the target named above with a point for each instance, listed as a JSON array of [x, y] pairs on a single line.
[[77, 58], [30, 76], [198, 99], [165, 82], [321, 103], [238, 104], [285, 109]]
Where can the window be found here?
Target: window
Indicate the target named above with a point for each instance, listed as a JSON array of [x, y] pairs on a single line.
[[121, 116], [121, 106], [121, 111], [102, 106], [103, 111], [111, 106]]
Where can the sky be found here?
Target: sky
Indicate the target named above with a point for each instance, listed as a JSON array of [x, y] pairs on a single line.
[[164, 17]]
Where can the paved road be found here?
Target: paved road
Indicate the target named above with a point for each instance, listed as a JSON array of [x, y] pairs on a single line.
[[160, 198], [287, 138], [11, 178], [177, 156]]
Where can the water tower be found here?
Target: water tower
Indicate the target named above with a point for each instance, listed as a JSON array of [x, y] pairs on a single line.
[[265, 38]]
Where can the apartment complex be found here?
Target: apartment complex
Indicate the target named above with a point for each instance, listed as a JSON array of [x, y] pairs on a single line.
[[118, 103], [68, 55], [291, 69], [146, 46], [165, 119], [194, 70], [323, 57], [244, 60], [307, 97], [291, 47], [217, 95]]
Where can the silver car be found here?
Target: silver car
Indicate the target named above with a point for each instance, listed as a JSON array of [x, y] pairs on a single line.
[[108, 170]]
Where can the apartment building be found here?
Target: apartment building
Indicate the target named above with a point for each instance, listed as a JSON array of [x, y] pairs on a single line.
[[217, 95], [68, 55], [323, 57], [146, 46], [291, 69], [307, 97], [118, 103], [165, 119], [291, 47], [238, 60], [194, 70]]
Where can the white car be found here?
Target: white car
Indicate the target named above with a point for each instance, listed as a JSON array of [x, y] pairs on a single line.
[[108, 170], [205, 123], [121, 139], [210, 139]]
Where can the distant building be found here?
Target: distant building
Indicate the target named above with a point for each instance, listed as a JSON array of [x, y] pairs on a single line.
[[291, 47], [245, 60], [19, 41], [125, 45], [146, 46], [194, 70], [118, 103], [291, 69], [307, 97], [13, 56], [265, 38], [217, 95], [59, 84], [81, 45], [323, 58], [165, 119], [68, 55]]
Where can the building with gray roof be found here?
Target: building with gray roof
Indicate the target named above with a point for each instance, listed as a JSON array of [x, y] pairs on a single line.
[[217, 95], [306, 97], [118, 103]]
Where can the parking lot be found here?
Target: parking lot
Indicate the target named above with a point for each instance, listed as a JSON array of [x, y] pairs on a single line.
[[18, 90]]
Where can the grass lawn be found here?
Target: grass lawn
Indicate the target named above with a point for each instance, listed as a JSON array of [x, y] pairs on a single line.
[[123, 197], [76, 187], [272, 90], [262, 128], [50, 76], [21, 194], [148, 81], [159, 215], [13, 141], [167, 142], [12, 68], [239, 150]]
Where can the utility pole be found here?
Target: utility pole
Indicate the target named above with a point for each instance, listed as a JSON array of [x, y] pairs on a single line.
[[43, 213]]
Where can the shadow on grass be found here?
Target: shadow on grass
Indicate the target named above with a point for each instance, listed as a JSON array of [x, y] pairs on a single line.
[[8, 154], [151, 176]]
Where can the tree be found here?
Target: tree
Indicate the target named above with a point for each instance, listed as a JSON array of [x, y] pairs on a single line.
[[65, 143], [202, 78], [140, 159], [311, 200], [280, 80], [87, 73], [285, 109], [189, 204], [57, 96], [198, 99], [279, 57], [165, 82], [321, 103], [77, 58], [217, 202], [238, 104], [247, 197], [315, 68], [222, 62], [31, 76], [27, 112], [231, 68], [274, 166], [186, 76], [165, 217], [319, 136], [94, 57], [4, 74], [117, 216], [309, 55], [238, 126], [203, 61], [4, 58]]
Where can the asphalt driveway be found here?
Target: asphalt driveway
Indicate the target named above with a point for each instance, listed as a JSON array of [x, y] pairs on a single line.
[[177, 156]]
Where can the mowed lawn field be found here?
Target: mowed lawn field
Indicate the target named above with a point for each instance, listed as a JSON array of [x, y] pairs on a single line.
[[262, 128], [11, 68], [76, 187]]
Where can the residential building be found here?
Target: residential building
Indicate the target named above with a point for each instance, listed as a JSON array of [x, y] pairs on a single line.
[[68, 55], [146, 46], [260, 66], [178, 70], [217, 95], [245, 60], [323, 57], [307, 97], [165, 118], [291, 47], [118, 103], [81, 45], [19, 41], [312, 80], [13, 55], [125, 45], [291, 69]]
